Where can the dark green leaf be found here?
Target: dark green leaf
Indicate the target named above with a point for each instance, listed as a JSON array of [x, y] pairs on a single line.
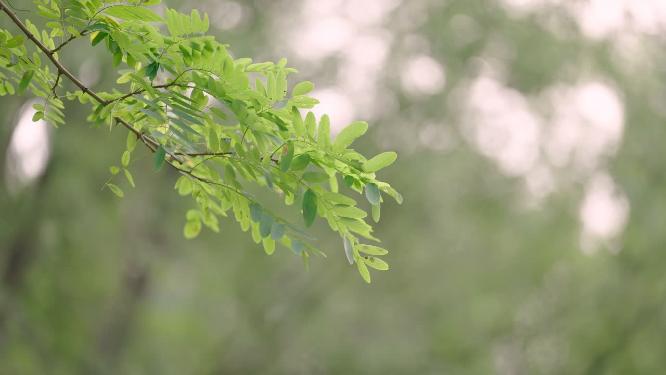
[[160, 153], [25, 81], [99, 37], [309, 207], [286, 160], [152, 69]]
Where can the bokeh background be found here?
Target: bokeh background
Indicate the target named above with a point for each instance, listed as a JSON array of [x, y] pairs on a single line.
[[531, 241]]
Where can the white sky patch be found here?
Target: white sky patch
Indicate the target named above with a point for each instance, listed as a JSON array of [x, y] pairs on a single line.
[[338, 106], [353, 33], [588, 124], [226, 15], [600, 19], [29, 150], [321, 37], [501, 125], [423, 75], [603, 214]]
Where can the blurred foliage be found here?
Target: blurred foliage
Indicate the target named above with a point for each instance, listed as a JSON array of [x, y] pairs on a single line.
[[480, 281]]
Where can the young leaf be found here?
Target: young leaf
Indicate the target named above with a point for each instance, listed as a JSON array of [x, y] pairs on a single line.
[[376, 213], [363, 270], [115, 190], [125, 160], [349, 134], [133, 13], [324, 132], [130, 143], [129, 178], [192, 228], [37, 116], [302, 88], [349, 211], [269, 245], [371, 250], [309, 207], [376, 263], [380, 161]]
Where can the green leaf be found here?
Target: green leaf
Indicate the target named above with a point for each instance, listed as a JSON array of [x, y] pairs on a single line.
[[192, 228], [115, 190], [380, 161], [371, 250], [372, 194], [133, 13], [184, 185], [349, 211], [130, 143], [160, 153], [302, 88], [376, 213], [349, 134], [129, 178], [311, 124], [152, 69], [315, 177], [349, 249], [25, 81], [15, 41], [363, 270], [125, 160], [300, 162], [286, 160], [114, 170], [99, 37], [309, 207], [37, 116], [376, 263], [269, 245], [324, 132]]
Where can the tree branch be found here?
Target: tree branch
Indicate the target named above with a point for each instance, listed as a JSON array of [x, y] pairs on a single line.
[[62, 70]]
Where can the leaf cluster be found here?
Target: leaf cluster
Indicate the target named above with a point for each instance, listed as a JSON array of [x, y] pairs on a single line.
[[221, 122]]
